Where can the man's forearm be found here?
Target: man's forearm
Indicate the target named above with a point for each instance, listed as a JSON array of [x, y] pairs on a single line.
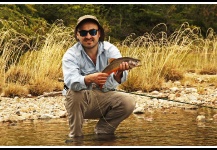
[[88, 79]]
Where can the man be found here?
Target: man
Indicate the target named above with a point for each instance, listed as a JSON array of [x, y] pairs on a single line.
[[82, 65]]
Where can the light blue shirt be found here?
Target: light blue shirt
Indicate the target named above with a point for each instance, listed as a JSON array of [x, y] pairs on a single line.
[[76, 64]]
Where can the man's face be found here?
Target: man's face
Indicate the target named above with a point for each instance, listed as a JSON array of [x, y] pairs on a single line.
[[88, 39]]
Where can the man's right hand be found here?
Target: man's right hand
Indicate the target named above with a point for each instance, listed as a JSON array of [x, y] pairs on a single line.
[[97, 78]]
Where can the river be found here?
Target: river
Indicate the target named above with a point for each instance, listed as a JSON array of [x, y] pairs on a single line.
[[156, 127]]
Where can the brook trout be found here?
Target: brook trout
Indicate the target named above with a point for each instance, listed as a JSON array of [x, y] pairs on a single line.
[[115, 63]]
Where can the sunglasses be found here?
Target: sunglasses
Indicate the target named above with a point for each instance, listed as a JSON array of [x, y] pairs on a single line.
[[92, 32]]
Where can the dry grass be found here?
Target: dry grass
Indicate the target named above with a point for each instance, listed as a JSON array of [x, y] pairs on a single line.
[[41, 85], [40, 67], [17, 74], [166, 58], [13, 90], [209, 69], [35, 68]]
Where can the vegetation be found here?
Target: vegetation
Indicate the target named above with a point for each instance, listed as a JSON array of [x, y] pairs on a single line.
[[35, 37]]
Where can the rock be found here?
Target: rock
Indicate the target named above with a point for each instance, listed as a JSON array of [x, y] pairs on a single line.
[[139, 110], [201, 118]]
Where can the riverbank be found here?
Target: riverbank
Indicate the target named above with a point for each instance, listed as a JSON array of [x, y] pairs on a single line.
[[51, 106], [174, 94]]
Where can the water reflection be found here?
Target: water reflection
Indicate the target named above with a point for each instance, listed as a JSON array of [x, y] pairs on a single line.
[[174, 127]]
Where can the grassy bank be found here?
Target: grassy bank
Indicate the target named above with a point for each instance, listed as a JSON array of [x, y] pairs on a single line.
[[32, 64]]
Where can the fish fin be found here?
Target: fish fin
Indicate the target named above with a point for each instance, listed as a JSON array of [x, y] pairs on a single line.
[[113, 71], [100, 86]]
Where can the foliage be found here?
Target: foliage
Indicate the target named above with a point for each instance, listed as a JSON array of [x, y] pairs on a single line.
[[35, 37], [67, 12], [120, 20], [25, 13]]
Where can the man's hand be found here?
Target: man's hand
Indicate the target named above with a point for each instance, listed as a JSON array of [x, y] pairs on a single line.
[[123, 66], [98, 78], [118, 75]]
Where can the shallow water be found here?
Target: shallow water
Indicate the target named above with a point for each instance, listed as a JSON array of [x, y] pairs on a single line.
[[170, 127]]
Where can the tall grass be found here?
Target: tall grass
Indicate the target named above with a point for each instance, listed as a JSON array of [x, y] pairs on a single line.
[[167, 58], [32, 64], [39, 68]]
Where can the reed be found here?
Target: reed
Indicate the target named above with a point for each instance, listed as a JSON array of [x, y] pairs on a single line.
[[31, 64]]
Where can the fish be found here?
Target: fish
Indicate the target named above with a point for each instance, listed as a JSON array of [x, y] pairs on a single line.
[[114, 64]]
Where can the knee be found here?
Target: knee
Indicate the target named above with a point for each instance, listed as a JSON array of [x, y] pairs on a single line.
[[73, 98], [129, 104]]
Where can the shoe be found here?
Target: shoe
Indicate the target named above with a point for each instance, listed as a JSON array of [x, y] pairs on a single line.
[[77, 139], [98, 132], [74, 136], [105, 137]]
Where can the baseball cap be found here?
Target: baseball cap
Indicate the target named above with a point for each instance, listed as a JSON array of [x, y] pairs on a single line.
[[89, 18]]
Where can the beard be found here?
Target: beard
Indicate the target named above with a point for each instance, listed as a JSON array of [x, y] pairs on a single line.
[[89, 43]]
